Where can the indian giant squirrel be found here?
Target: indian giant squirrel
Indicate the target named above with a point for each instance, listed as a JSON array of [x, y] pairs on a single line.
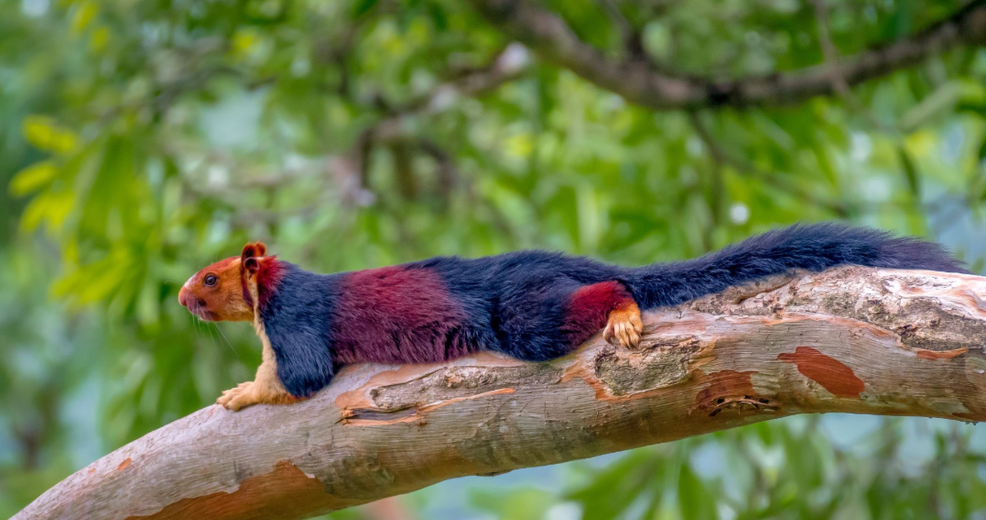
[[532, 305]]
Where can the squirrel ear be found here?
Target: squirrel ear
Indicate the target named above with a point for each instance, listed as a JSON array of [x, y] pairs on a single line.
[[251, 264], [248, 258]]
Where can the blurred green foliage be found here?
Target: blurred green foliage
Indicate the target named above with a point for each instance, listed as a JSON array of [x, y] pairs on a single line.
[[142, 140]]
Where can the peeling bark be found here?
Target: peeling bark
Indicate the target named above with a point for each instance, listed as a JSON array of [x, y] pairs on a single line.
[[853, 340]]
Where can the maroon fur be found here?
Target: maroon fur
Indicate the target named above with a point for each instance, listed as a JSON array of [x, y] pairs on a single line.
[[246, 291], [268, 276], [397, 315], [589, 308]]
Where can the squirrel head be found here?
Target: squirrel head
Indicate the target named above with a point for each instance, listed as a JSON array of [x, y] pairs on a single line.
[[227, 289]]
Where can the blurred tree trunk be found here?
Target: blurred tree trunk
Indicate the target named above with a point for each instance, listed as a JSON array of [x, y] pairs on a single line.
[[851, 340]]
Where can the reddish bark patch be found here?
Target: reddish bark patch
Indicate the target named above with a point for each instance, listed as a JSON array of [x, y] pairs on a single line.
[[124, 465], [726, 383], [729, 389], [284, 492], [829, 372], [940, 354]]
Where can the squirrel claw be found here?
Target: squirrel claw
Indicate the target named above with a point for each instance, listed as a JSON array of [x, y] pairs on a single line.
[[624, 327]]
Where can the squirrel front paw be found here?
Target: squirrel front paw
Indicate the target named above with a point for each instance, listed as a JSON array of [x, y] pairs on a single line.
[[624, 326], [240, 397]]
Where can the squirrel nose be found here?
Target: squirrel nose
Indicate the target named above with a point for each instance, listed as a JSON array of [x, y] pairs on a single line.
[[183, 297]]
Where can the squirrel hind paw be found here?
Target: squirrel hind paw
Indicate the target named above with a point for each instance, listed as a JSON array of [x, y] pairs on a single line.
[[624, 327]]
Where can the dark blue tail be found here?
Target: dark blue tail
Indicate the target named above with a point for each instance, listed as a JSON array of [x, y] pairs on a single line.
[[814, 247]]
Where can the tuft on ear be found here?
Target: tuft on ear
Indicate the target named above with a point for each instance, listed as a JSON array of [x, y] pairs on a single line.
[[251, 253]]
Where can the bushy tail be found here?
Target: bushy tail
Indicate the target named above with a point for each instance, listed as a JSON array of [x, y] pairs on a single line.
[[814, 247]]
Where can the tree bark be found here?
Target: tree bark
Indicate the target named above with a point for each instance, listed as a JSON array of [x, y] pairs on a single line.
[[853, 340], [642, 82]]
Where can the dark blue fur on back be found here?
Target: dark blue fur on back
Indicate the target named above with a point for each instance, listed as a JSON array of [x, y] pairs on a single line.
[[296, 321], [514, 303], [809, 247]]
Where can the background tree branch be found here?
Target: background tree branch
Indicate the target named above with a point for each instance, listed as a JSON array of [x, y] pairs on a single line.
[[851, 340], [641, 82]]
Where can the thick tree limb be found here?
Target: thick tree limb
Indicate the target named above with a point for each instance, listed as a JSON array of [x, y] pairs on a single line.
[[851, 340], [643, 83]]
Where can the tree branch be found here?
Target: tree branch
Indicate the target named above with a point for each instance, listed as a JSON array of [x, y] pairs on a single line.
[[512, 62], [645, 84], [509, 64], [839, 83], [853, 340]]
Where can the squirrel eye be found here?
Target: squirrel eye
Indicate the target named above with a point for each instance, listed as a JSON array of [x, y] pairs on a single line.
[[210, 279]]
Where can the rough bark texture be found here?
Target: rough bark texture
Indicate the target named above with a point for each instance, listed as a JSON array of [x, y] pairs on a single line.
[[643, 82], [849, 340]]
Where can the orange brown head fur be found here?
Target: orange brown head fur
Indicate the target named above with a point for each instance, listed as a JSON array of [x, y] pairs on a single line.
[[227, 289]]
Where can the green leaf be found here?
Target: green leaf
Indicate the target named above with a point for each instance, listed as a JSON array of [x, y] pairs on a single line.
[[910, 171], [45, 134], [694, 496], [84, 13], [939, 102], [50, 208], [362, 7], [825, 165], [33, 178], [523, 503], [614, 489]]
